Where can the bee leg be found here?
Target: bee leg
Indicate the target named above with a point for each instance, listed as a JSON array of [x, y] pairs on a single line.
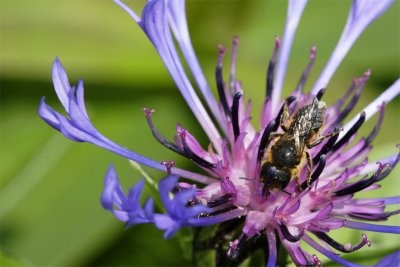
[[274, 135], [284, 117], [309, 168], [321, 138]]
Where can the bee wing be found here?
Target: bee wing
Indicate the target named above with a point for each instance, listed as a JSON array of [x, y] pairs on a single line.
[[284, 138], [299, 143]]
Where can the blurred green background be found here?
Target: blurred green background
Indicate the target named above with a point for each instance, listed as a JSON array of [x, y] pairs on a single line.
[[50, 186]]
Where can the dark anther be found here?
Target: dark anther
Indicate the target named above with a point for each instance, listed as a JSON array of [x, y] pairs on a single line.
[[192, 156], [346, 248], [306, 73], [288, 235], [380, 174], [271, 69], [158, 136], [219, 201], [377, 127], [220, 81], [327, 147], [349, 106], [315, 175], [321, 93], [375, 216], [354, 84], [222, 211], [350, 132], [265, 138], [235, 114]]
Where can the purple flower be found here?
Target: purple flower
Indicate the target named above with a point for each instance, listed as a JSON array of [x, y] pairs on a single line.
[[294, 176]]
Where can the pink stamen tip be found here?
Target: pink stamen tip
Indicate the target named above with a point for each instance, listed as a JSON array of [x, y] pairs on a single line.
[[236, 40], [367, 73], [148, 111], [232, 247], [182, 133], [355, 81], [221, 50], [383, 165], [277, 41], [313, 52], [238, 86], [168, 164], [316, 260], [365, 240]]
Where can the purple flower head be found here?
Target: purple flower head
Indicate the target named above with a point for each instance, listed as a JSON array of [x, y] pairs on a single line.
[[290, 180]]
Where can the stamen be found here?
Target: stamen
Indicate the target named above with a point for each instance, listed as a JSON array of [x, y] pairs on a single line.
[[354, 84], [307, 71], [235, 114], [316, 260], [219, 201], [346, 248], [333, 185], [288, 235], [158, 136], [168, 164], [350, 132], [235, 246], [227, 187], [191, 155], [354, 99], [265, 138], [343, 114], [220, 81], [232, 80], [377, 127], [327, 147], [271, 68], [315, 175], [379, 175], [374, 217], [210, 150]]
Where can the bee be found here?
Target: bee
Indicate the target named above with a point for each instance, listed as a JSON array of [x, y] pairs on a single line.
[[283, 160]]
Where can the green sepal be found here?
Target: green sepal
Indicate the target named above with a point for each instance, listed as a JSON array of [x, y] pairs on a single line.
[[151, 185]]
